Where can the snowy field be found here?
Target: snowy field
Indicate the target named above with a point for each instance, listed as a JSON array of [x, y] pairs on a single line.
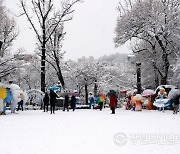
[[90, 132]]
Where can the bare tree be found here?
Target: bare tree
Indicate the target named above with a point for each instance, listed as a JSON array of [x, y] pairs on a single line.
[[154, 23], [8, 31], [48, 20], [54, 54], [6, 67], [86, 76], [8, 34]]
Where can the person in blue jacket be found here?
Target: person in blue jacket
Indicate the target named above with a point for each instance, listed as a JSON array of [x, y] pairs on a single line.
[[91, 100]]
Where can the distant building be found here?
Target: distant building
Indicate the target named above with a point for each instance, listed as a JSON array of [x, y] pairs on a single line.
[[25, 57], [85, 60]]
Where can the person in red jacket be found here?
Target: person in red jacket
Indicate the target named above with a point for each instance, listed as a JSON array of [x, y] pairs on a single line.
[[113, 101]]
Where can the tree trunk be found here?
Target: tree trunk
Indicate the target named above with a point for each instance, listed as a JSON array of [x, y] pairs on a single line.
[[165, 60], [43, 58], [95, 89], [86, 93], [60, 77], [1, 45], [163, 80], [59, 73], [156, 80], [156, 77]]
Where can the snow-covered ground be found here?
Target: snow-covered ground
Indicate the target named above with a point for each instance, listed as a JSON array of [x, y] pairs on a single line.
[[90, 132]]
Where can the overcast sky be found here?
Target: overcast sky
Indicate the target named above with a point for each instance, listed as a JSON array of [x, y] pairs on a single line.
[[90, 33]]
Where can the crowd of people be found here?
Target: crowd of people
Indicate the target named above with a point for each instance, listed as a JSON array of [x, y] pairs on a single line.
[[50, 98], [134, 102], [131, 101], [100, 100], [70, 101]]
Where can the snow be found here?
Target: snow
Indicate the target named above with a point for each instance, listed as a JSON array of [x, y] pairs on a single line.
[[89, 131]]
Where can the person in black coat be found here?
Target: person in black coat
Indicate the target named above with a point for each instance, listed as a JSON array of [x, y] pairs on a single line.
[[46, 102], [176, 104], [73, 103], [20, 105], [53, 96], [66, 103]]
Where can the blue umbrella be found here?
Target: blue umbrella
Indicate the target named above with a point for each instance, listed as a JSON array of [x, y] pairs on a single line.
[[53, 88]]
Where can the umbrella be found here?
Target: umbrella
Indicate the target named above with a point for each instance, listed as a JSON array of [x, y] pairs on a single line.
[[101, 97], [123, 91], [111, 92], [74, 94], [162, 102], [63, 94], [174, 93], [129, 93], [148, 92], [53, 88], [167, 88], [137, 97]]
